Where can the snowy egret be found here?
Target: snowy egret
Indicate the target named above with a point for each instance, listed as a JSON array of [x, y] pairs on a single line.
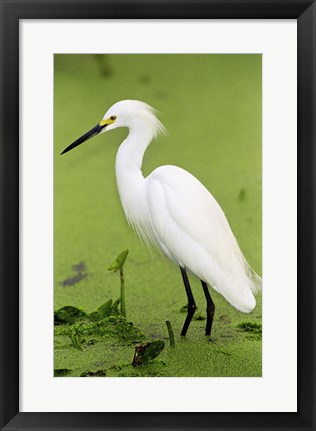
[[171, 210]]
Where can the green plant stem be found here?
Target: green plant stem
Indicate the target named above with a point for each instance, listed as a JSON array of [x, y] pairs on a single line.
[[123, 311], [170, 332]]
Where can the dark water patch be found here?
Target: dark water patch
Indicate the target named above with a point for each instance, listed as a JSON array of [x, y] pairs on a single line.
[[198, 316], [103, 65], [61, 372], [80, 270], [97, 373], [79, 267], [254, 330], [73, 280], [241, 195]]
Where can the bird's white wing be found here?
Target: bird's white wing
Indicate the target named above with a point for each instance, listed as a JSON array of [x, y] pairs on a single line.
[[192, 229], [177, 199]]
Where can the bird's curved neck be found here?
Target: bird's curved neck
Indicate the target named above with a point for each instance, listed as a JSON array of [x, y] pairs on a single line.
[[130, 154], [129, 177]]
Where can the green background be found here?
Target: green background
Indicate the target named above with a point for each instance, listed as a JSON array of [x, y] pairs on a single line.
[[211, 106]]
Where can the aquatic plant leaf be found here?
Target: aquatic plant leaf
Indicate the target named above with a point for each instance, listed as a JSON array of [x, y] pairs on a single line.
[[95, 316], [74, 336], [147, 351], [106, 308], [68, 315], [115, 308], [119, 261]]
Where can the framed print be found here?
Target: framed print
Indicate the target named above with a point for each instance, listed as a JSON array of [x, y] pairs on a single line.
[[240, 76], [97, 331]]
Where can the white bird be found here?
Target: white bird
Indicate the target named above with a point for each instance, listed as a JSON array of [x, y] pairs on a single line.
[[173, 211]]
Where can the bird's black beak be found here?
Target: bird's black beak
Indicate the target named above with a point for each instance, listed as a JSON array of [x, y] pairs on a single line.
[[93, 132]]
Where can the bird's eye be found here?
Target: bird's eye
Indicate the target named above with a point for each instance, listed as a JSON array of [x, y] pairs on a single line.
[[113, 117]]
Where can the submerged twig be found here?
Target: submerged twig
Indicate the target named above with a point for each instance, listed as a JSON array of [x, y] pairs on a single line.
[[170, 332]]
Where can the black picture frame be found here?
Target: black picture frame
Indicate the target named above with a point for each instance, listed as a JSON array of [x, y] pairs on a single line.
[[14, 10]]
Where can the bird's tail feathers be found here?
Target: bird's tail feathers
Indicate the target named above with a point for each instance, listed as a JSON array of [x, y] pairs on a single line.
[[255, 281], [238, 287]]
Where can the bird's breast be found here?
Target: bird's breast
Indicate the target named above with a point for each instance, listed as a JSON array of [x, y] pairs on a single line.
[[134, 202]]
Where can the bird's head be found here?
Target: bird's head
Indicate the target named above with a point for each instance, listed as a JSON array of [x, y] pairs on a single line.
[[132, 114]]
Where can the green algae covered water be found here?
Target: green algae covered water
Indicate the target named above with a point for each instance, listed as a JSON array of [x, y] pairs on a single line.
[[212, 108]]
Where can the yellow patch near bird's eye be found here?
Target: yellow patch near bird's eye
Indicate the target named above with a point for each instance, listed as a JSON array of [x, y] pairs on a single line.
[[108, 121]]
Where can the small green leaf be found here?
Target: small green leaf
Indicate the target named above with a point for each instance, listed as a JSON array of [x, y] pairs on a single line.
[[119, 261], [115, 308], [95, 316], [105, 309]]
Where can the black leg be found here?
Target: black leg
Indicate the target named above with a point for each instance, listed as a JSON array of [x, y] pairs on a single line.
[[210, 309], [191, 302]]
